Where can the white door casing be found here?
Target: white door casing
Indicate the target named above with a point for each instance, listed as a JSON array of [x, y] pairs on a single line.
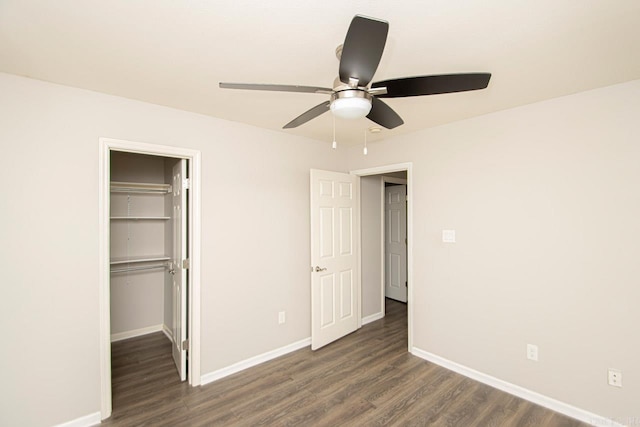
[[335, 225], [396, 242], [180, 285]]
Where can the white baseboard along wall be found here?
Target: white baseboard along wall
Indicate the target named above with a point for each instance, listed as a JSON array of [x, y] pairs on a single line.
[[531, 396]]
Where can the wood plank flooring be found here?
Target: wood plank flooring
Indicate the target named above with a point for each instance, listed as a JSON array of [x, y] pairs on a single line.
[[365, 379]]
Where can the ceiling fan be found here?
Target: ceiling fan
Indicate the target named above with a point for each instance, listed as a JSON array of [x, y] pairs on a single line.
[[354, 96]]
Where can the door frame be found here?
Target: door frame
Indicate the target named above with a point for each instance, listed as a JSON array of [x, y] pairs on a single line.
[[379, 170], [106, 145], [383, 269]]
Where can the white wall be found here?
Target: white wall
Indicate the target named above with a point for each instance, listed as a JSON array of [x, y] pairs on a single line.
[[371, 238], [545, 201], [255, 242]]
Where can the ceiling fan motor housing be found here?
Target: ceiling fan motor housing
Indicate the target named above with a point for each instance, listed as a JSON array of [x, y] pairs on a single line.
[[351, 103]]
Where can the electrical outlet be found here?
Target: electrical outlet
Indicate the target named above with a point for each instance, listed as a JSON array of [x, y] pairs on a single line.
[[532, 352], [281, 317], [615, 377]]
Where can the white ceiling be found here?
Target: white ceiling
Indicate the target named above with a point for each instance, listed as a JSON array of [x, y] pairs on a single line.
[[174, 53]]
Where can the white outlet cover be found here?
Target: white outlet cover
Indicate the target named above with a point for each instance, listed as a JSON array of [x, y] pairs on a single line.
[[615, 377]]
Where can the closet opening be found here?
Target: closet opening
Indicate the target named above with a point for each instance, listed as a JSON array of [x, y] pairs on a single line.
[[149, 287], [148, 250]]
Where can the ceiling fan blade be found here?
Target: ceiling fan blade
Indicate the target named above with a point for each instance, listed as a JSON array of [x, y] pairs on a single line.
[[432, 85], [384, 115], [362, 49], [308, 115], [277, 88]]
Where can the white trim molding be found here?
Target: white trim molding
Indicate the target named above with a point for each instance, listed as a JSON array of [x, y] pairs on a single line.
[[86, 421], [135, 333], [372, 318], [167, 332], [516, 390], [253, 361]]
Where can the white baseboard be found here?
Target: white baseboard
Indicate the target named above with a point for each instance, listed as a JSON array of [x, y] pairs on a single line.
[[135, 333], [531, 396], [86, 421], [253, 361], [167, 332], [372, 318]]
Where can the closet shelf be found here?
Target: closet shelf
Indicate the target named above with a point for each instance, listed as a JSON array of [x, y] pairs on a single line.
[[139, 259], [142, 217], [140, 187]]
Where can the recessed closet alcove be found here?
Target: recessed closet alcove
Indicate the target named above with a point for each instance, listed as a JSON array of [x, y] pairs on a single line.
[[148, 259]]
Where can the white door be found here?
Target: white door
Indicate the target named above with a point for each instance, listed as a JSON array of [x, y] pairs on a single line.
[[179, 272], [335, 226], [395, 284]]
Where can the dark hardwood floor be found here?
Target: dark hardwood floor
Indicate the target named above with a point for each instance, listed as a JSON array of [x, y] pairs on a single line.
[[365, 379]]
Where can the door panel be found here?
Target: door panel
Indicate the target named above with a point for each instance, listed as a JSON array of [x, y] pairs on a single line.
[[396, 242], [328, 317], [346, 231], [180, 288], [326, 233], [346, 294], [334, 227]]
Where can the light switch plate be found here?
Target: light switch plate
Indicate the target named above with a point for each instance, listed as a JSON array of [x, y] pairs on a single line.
[[449, 236], [532, 352]]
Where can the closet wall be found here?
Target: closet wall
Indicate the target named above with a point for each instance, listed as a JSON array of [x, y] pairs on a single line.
[[140, 228]]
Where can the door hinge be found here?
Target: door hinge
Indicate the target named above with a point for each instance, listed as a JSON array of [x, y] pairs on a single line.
[[186, 184], [406, 198], [185, 344], [186, 263]]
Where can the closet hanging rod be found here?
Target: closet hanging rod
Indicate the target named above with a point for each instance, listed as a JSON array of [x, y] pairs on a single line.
[[138, 187], [147, 267]]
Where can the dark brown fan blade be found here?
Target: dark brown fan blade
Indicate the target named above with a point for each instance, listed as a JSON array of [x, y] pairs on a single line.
[[308, 115], [362, 49], [384, 115], [432, 85], [276, 88]]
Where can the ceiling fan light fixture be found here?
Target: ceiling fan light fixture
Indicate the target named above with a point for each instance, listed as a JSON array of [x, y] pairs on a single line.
[[351, 104], [354, 93]]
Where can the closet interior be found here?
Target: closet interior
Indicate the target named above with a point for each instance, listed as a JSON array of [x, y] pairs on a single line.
[[144, 231]]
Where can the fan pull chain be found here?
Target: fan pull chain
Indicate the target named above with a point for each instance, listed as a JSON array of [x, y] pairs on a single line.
[[334, 144], [365, 143]]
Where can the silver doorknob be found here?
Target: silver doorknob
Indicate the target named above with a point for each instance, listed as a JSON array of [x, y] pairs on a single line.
[[318, 269]]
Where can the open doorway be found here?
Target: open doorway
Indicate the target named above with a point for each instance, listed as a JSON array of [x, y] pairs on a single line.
[[148, 243], [382, 260], [395, 236], [149, 252]]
